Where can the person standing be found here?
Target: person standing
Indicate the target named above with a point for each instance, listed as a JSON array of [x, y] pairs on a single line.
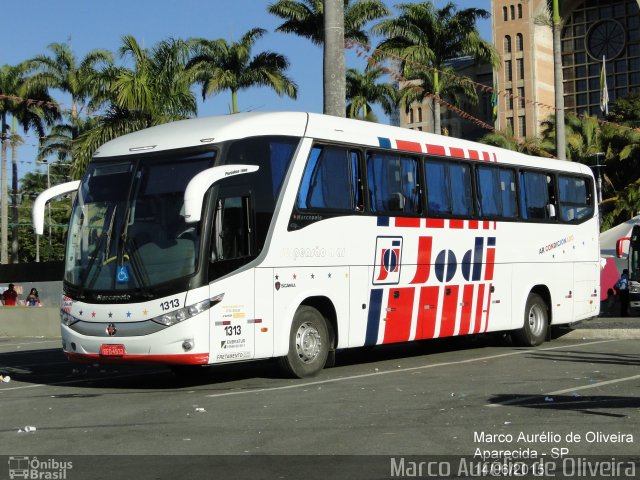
[[622, 286], [10, 296], [33, 299]]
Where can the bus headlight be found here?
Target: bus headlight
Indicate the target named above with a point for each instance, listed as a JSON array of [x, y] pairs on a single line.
[[67, 319], [182, 314]]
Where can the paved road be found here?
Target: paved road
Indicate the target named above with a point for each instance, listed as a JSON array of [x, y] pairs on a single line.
[[469, 396]]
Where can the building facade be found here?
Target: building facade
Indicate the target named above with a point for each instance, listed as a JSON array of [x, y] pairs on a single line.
[[592, 29]]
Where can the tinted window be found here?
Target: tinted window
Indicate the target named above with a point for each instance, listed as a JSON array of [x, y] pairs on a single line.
[[497, 192], [460, 181], [393, 183], [534, 196], [448, 188], [438, 198], [575, 198], [326, 183]]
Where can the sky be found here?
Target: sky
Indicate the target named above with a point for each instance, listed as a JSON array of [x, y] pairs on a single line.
[[27, 30]]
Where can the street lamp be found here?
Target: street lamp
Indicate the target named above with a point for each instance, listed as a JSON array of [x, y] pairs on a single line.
[[48, 164], [597, 162]]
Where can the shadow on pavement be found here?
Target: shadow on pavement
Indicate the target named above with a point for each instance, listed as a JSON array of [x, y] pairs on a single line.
[[590, 405]]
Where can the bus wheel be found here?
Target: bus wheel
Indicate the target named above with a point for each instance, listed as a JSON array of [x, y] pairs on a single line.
[[536, 323], [308, 343]]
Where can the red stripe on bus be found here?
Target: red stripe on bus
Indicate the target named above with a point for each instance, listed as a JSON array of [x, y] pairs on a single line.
[[495, 158], [427, 312], [435, 149], [456, 223], [485, 156], [456, 152], [486, 318], [474, 154], [398, 316], [465, 312], [177, 359], [423, 266], [491, 258], [486, 224], [409, 146], [473, 224], [435, 222], [407, 222], [479, 307], [449, 310]]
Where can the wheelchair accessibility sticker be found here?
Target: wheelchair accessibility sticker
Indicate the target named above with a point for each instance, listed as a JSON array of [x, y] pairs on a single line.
[[122, 275]]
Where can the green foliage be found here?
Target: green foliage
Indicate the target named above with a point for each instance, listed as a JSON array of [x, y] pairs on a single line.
[[305, 18], [363, 90], [218, 65]]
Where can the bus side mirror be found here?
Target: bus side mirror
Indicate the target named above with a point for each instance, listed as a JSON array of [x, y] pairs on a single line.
[[620, 251], [44, 197], [199, 184], [551, 210]]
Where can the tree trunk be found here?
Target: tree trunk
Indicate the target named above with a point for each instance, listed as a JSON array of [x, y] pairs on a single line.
[[561, 139], [437, 127], [14, 194], [334, 81], [4, 208]]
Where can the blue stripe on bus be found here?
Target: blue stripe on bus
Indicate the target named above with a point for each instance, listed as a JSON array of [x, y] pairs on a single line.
[[491, 241], [477, 258], [373, 319], [383, 221], [384, 142]]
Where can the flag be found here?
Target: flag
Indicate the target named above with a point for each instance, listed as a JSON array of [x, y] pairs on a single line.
[[494, 103], [604, 92]]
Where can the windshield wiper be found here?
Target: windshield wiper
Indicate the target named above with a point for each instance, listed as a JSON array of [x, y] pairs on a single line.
[[138, 267], [105, 237]]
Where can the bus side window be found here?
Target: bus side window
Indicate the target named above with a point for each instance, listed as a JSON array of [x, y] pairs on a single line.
[[576, 200], [393, 183], [326, 182], [534, 196], [462, 199], [497, 192], [357, 181], [438, 189], [231, 232]]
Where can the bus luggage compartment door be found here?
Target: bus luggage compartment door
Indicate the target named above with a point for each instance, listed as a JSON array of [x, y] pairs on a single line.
[[232, 320]]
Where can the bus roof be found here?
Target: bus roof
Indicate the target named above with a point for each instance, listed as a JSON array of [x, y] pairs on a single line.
[[199, 131]]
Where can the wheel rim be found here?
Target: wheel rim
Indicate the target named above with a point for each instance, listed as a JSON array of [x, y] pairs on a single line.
[[308, 342], [536, 320]]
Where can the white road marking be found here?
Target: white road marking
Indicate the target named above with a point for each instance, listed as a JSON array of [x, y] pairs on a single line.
[[398, 370]]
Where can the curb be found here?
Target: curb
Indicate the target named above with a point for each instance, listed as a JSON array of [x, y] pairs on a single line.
[[601, 334]]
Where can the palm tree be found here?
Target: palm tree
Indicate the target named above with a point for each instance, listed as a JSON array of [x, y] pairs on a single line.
[[30, 106], [363, 91], [218, 65], [456, 89], [505, 139], [156, 90], [305, 18], [426, 38], [582, 136], [82, 79]]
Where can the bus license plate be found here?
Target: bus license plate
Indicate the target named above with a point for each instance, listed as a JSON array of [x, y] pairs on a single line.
[[108, 350]]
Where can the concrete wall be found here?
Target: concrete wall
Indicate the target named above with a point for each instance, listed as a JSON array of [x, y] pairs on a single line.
[[30, 322]]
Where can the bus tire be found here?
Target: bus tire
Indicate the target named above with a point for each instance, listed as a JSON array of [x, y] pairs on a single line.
[[536, 323], [308, 344]]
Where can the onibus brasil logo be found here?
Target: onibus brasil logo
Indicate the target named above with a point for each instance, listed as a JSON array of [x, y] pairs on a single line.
[[35, 468]]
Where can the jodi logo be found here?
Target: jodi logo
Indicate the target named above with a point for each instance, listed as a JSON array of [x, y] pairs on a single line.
[[386, 269]]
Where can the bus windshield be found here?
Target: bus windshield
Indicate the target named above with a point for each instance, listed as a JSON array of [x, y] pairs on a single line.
[[126, 230]]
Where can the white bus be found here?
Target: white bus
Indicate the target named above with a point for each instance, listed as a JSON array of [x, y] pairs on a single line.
[[293, 235]]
